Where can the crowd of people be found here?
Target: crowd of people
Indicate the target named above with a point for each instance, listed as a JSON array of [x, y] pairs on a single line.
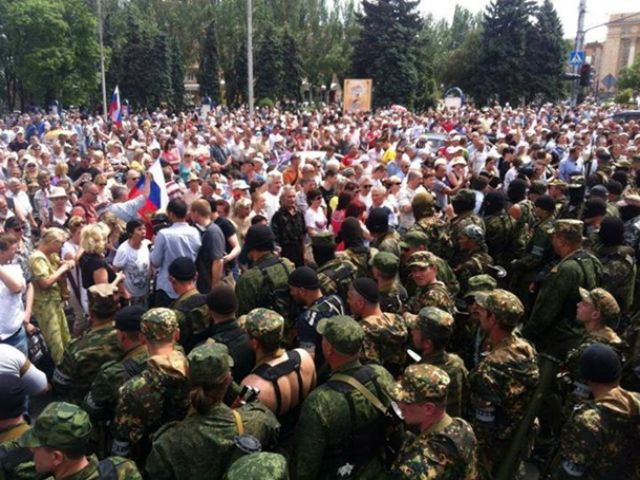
[[436, 295]]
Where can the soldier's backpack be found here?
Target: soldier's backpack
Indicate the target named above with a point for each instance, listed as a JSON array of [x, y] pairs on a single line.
[[194, 321], [275, 276], [337, 278]]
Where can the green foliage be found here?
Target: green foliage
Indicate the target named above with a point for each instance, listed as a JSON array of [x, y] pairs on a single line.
[[265, 103], [291, 74], [624, 96], [177, 76], [269, 69], [208, 69], [464, 64], [630, 76]]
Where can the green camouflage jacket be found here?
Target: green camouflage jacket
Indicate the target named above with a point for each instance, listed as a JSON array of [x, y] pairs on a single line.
[[458, 390], [386, 340], [433, 295]]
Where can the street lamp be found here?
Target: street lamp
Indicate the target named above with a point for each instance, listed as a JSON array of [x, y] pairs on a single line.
[[324, 92], [222, 91]]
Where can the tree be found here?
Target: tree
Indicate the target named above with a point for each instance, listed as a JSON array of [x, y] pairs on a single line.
[[630, 77], [177, 75], [504, 55], [463, 68], [291, 77], [268, 70], [385, 50], [159, 65], [208, 70], [132, 72]]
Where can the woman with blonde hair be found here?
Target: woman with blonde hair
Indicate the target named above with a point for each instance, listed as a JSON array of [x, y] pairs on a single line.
[[48, 272], [71, 250], [117, 229], [94, 268]]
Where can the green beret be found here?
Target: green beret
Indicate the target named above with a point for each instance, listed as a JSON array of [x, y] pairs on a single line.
[[343, 333]]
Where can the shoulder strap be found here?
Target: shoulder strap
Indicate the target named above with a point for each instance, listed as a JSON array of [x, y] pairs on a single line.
[[237, 418], [107, 470], [132, 368], [275, 372], [373, 400]]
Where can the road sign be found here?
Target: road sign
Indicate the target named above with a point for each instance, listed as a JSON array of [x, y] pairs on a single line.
[[609, 81], [576, 58]]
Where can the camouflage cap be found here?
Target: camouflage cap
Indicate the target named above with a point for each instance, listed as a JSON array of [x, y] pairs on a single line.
[[414, 238], [343, 333], [465, 195], [259, 465], [603, 301], [556, 182], [102, 299], [507, 308], [262, 322], [473, 232], [569, 227], [386, 262], [323, 239], [433, 322], [481, 283], [421, 260], [159, 324], [60, 425], [209, 363], [420, 383]]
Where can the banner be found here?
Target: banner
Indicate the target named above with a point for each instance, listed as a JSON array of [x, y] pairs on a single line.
[[357, 95]]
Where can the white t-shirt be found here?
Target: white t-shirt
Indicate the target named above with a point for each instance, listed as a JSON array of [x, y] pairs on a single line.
[[14, 362], [316, 219], [136, 267], [11, 304]]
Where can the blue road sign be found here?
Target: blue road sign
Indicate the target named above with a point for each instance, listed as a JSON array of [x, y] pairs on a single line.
[[576, 58], [609, 81]]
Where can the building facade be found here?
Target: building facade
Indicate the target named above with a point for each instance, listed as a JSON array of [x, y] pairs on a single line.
[[622, 46]]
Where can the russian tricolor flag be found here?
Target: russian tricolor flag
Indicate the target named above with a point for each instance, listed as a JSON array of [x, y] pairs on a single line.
[[158, 197], [115, 108]]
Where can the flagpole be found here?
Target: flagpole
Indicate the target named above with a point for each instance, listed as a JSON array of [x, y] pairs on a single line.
[[102, 76]]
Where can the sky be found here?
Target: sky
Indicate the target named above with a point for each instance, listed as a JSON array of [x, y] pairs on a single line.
[[598, 12]]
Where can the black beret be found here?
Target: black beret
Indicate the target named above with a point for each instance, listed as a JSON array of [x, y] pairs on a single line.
[[222, 299], [183, 268], [128, 318], [545, 202], [304, 277], [367, 288], [611, 231], [12, 396], [378, 220], [600, 363], [599, 191], [259, 237]]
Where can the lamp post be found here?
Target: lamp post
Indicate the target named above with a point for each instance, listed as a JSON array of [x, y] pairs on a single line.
[[102, 75], [222, 91], [250, 56]]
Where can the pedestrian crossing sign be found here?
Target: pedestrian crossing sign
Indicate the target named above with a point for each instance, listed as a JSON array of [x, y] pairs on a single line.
[[576, 58]]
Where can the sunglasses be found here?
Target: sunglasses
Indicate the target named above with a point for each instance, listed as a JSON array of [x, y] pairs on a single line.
[[101, 184]]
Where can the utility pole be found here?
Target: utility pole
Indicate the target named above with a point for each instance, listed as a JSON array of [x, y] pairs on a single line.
[[250, 56], [578, 46], [102, 76]]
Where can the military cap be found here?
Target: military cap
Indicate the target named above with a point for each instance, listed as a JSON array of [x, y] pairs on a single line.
[[222, 300], [569, 227], [433, 322], [102, 299], [209, 363], [599, 191], [603, 301], [556, 182], [304, 277], [420, 383], [421, 260], [481, 283], [259, 465], [594, 207], [386, 262], [473, 232], [259, 237], [414, 238], [507, 308], [622, 164], [600, 363], [343, 333], [378, 220], [183, 269], [61, 425], [262, 322], [159, 324], [128, 319], [323, 239], [367, 288], [545, 202], [538, 187], [464, 195]]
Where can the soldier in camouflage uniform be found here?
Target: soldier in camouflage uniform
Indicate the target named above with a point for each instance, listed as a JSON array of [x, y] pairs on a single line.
[[336, 419], [386, 334], [463, 204], [355, 250], [393, 295], [445, 448], [259, 465], [504, 381], [156, 396], [473, 258], [334, 274], [16, 462], [58, 440], [430, 292], [438, 238], [417, 241], [557, 190], [84, 356], [384, 240], [601, 438], [431, 331], [500, 233], [573, 208], [202, 445]]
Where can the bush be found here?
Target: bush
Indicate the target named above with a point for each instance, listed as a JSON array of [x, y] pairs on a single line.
[[624, 96], [265, 102]]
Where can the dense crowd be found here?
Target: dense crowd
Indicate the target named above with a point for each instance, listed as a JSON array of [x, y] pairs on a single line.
[[445, 295]]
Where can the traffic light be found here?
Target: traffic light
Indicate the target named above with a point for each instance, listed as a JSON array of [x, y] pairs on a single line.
[[585, 75]]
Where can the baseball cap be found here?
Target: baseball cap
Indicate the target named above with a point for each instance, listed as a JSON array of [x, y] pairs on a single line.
[[343, 333], [102, 300], [421, 260], [209, 363], [600, 363], [60, 425], [433, 322], [503, 304], [323, 239], [263, 323], [159, 324], [603, 301], [386, 262], [266, 465], [480, 283], [420, 383]]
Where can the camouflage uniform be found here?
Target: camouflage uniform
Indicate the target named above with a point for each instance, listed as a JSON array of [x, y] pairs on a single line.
[[601, 438], [84, 356], [360, 258], [444, 451], [193, 317], [66, 426], [393, 295], [251, 288], [437, 324], [156, 396], [474, 261], [335, 276], [432, 295], [435, 229], [16, 462], [552, 326], [500, 236], [459, 223], [619, 273], [387, 242], [385, 341], [202, 445], [503, 383], [335, 416], [259, 465]]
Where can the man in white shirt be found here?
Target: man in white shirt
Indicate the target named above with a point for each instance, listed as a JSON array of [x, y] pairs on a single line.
[[405, 196], [272, 195], [13, 324]]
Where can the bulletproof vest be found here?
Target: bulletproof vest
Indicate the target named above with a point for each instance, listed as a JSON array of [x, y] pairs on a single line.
[[338, 279], [195, 320], [275, 277]]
